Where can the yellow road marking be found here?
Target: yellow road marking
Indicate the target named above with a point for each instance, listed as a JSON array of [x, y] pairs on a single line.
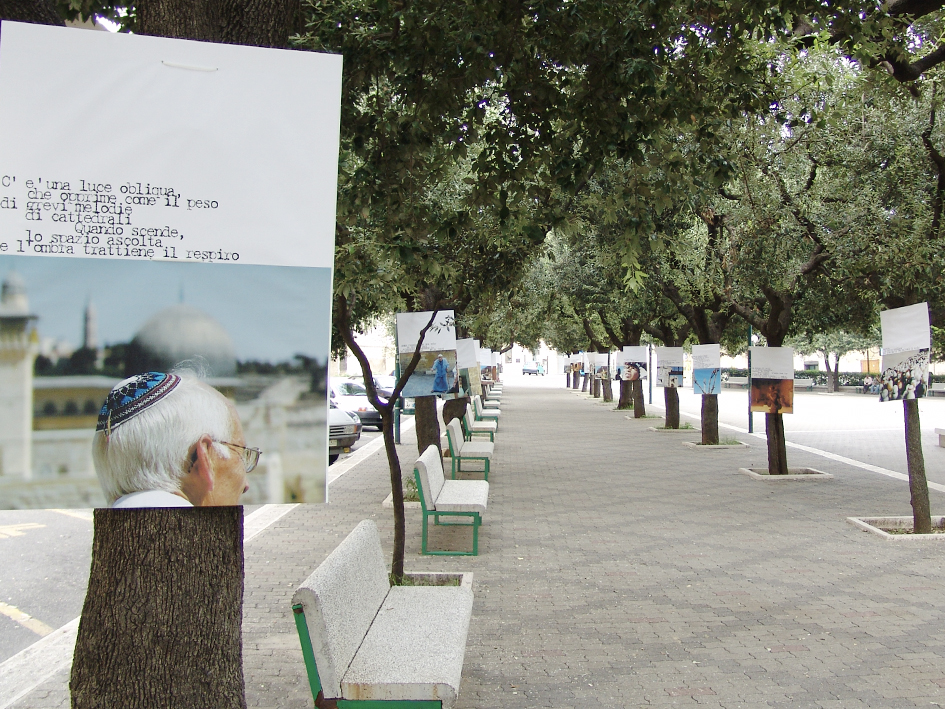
[[24, 619], [84, 515], [16, 530]]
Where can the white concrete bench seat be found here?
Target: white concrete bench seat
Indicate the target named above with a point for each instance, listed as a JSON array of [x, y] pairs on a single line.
[[736, 382], [937, 388], [461, 449], [482, 414], [440, 497], [471, 427], [365, 641], [804, 384]]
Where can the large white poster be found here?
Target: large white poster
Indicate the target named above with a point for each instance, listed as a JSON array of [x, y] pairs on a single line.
[[437, 371], [772, 380], [907, 342], [163, 203], [669, 366], [707, 369], [466, 354]]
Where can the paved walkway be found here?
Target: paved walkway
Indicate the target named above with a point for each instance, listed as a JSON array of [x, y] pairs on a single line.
[[619, 568]]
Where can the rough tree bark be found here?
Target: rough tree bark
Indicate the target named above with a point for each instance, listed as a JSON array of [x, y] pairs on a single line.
[[626, 395], [595, 387], [777, 448], [607, 389], [162, 621], [710, 419], [671, 399], [584, 383], [918, 485], [639, 403], [39, 12], [428, 426]]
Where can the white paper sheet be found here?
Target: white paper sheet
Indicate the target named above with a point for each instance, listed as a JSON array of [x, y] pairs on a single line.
[[440, 336], [706, 356], [772, 362], [466, 354], [906, 328], [130, 146]]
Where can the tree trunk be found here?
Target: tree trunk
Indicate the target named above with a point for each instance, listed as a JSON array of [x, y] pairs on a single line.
[[595, 387], [777, 446], [567, 380], [428, 427], [575, 377], [261, 24], [918, 485], [397, 497], [626, 395], [162, 620], [40, 12], [710, 419], [639, 405], [584, 383], [455, 409], [835, 376], [671, 398], [607, 389]]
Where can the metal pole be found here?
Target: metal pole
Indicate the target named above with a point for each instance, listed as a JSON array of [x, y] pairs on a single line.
[[649, 369], [751, 423]]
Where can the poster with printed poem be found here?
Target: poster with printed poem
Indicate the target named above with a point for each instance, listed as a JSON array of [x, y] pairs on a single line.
[[669, 367], [165, 205], [772, 380], [707, 369], [436, 373], [907, 343]]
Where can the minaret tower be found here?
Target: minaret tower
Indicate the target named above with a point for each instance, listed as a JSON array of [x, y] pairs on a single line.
[[90, 327], [18, 349]]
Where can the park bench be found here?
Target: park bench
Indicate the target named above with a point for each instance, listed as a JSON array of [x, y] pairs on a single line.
[[804, 384], [471, 427], [937, 388], [733, 382], [369, 644], [440, 497], [482, 414], [940, 432], [461, 449]]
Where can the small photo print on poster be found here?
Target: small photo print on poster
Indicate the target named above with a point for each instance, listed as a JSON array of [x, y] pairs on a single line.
[[632, 371], [435, 374], [670, 376], [73, 329], [772, 396], [707, 381], [905, 375]]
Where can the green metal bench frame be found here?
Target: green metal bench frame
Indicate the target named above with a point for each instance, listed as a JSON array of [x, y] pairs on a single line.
[[476, 523], [457, 459], [316, 685]]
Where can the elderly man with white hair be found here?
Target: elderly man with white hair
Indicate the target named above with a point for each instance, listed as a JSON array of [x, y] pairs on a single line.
[[170, 440]]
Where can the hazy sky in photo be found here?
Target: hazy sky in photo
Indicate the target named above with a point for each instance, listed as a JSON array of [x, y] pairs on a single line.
[[270, 312]]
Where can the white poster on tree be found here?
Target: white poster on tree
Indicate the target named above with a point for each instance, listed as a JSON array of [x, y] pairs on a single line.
[[669, 366], [907, 342], [707, 369], [163, 203]]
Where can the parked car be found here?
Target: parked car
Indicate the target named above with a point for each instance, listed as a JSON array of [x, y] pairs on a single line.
[[344, 430], [351, 396], [533, 368]]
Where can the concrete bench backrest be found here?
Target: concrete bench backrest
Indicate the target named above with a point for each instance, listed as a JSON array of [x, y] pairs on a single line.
[[477, 402], [455, 432], [430, 467], [468, 417], [341, 599]]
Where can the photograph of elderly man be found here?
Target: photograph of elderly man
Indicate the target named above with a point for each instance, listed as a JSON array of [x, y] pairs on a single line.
[[170, 440]]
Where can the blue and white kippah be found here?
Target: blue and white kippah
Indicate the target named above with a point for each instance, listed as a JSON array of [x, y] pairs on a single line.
[[132, 396]]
